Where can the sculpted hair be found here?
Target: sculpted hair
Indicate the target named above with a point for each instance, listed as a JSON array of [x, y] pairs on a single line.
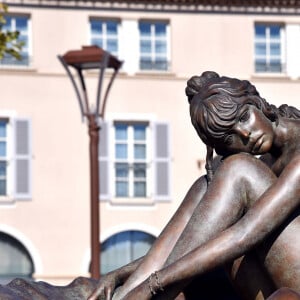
[[215, 102]]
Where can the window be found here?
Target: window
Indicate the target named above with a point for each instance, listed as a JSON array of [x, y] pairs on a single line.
[[15, 159], [124, 247], [134, 159], [131, 160], [3, 157], [154, 45], [269, 48], [104, 33], [15, 260], [21, 24]]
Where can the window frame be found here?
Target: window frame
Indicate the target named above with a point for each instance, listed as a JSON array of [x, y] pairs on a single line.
[[267, 41], [153, 38], [130, 160], [14, 16], [104, 36]]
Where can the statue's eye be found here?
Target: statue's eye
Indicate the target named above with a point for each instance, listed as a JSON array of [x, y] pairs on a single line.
[[228, 140], [245, 116]]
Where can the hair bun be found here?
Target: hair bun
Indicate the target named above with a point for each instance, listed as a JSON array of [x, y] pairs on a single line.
[[196, 83]]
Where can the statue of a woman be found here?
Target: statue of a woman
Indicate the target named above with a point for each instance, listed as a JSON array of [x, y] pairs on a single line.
[[243, 214]]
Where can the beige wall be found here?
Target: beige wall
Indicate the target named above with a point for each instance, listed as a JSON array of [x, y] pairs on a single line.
[[55, 223]]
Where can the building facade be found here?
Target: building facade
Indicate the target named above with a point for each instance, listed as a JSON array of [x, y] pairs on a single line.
[[149, 152]]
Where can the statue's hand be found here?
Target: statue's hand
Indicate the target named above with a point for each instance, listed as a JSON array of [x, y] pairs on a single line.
[[105, 287]]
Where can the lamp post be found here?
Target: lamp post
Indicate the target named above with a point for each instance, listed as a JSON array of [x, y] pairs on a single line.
[[92, 57]]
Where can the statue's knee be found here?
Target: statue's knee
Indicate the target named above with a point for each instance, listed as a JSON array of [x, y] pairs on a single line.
[[284, 294]]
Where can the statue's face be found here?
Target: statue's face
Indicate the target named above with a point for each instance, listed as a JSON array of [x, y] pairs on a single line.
[[253, 133]]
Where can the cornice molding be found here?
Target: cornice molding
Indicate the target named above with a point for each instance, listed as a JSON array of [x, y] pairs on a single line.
[[222, 6]]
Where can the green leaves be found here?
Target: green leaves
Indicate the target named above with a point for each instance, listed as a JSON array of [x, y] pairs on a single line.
[[9, 43]]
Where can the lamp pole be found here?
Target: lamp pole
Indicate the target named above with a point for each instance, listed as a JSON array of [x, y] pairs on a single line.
[[92, 57]]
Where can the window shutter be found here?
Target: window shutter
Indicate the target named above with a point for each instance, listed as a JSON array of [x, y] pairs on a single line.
[[104, 161], [162, 162], [22, 159]]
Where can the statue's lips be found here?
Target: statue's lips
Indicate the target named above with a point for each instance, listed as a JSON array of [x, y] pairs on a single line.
[[258, 143]]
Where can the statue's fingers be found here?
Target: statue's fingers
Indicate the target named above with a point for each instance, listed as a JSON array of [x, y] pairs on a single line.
[[108, 294], [96, 293]]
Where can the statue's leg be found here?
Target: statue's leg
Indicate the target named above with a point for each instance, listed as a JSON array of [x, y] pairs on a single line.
[[285, 294], [226, 200], [164, 244]]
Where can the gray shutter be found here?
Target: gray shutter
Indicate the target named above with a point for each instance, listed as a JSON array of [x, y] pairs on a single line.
[[162, 162], [104, 161], [22, 159]]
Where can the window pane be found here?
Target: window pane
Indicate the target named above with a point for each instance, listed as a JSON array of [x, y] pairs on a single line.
[[140, 170], [160, 29], [275, 66], [21, 23], [275, 49], [122, 170], [121, 151], [145, 29], [121, 132], [260, 49], [260, 31], [3, 128], [146, 64], [139, 189], [160, 47], [2, 187], [7, 25], [275, 31], [121, 189], [111, 27], [161, 64], [139, 151], [2, 148], [96, 27], [112, 45], [139, 132], [261, 65], [97, 41], [145, 46], [2, 169]]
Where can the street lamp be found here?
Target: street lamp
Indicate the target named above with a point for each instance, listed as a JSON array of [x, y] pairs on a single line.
[[92, 57]]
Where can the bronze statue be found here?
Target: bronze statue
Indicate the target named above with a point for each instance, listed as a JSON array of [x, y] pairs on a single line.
[[243, 214]]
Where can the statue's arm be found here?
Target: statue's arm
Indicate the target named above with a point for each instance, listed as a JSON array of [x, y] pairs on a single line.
[[266, 214], [137, 271]]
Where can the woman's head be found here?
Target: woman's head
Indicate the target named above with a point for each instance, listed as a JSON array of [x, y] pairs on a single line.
[[215, 102]]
